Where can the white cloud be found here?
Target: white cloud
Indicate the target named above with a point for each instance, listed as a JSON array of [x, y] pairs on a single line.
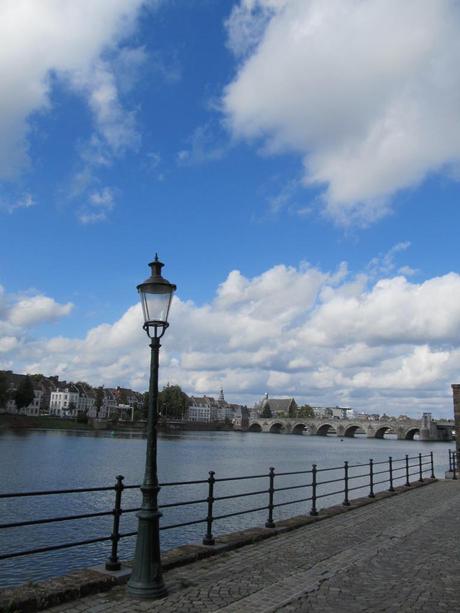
[[23, 202], [63, 39], [202, 146], [385, 264], [368, 93], [8, 343], [100, 203], [30, 311], [383, 344], [102, 198]]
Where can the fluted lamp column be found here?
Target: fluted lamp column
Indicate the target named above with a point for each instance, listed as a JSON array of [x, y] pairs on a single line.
[[146, 579]]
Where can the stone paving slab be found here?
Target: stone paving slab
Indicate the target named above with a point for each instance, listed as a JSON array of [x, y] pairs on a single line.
[[398, 554]]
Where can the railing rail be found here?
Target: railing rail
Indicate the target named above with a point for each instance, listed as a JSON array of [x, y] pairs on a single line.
[[383, 472]]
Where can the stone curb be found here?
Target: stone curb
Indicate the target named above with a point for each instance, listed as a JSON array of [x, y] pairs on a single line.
[[32, 597]]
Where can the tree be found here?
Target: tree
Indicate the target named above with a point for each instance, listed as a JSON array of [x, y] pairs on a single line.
[[72, 407], [24, 395], [266, 412], [99, 400], [122, 396], [306, 411], [3, 389], [293, 409], [145, 405], [172, 401]]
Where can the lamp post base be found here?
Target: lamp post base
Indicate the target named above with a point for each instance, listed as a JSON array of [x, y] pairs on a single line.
[[146, 580], [151, 592]]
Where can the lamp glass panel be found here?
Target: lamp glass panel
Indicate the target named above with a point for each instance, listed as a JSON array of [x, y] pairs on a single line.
[[155, 303]]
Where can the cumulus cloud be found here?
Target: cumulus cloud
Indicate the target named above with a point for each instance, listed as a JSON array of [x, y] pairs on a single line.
[[24, 311], [325, 337], [76, 42], [37, 309], [368, 93]]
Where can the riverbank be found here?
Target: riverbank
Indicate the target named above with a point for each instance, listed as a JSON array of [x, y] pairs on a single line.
[[49, 422], [42, 422]]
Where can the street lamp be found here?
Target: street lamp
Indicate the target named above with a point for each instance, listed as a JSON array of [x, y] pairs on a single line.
[[146, 579]]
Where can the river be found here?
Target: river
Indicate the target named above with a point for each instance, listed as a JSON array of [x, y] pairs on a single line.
[[44, 460]]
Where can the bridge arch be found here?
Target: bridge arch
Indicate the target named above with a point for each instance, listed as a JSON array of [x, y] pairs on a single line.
[[298, 428], [255, 427], [381, 431], [277, 428], [351, 430], [324, 429], [411, 434]]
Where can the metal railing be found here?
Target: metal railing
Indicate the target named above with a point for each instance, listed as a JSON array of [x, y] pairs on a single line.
[[453, 462], [320, 484]]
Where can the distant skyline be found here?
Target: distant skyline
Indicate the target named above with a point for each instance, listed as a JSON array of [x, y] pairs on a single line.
[[295, 164]]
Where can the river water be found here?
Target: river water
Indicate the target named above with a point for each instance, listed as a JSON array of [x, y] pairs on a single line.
[[44, 460]]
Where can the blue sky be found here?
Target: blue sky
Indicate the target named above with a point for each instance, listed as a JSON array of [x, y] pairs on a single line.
[[297, 174]]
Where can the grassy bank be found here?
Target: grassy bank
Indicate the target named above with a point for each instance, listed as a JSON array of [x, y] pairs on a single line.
[[48, 422]]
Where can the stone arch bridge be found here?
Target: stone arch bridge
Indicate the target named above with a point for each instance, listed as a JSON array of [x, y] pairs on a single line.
[[425, 428]]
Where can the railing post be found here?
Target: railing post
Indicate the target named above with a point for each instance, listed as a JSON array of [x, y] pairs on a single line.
[[407, 470], [346, 502], [390, 468], [208, 537], [371, 478], [454, 465], [450, 460], [271, 489], [420, 467], [313, 491], [433, 476], [113, 563]]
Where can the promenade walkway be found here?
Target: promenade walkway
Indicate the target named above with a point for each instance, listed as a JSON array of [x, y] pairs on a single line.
[[398, 554]]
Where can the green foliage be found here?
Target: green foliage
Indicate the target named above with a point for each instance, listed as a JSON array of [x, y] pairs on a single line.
[[122, 397], [99, 400], [138, 414], [293, 409], [305, 411], [72, 407], [267, 413], [3, 389], [24, 395], [172, 402]]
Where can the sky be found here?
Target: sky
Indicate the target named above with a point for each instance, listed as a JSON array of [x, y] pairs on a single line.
[[295, 164]]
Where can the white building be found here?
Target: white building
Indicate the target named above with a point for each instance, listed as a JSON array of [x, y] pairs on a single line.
[[64, 403], [208, 409], [201, 412], [86, 397]]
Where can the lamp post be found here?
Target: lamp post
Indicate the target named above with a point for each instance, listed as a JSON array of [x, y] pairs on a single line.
[[146, 579]]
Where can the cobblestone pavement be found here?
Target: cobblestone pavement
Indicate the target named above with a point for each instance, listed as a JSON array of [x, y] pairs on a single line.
[[399, 554]]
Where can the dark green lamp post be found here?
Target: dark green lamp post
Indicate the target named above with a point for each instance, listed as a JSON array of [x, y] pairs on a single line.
[[146, 579]]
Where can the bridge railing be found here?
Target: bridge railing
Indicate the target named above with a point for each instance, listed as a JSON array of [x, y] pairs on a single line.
[[217, 500]]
